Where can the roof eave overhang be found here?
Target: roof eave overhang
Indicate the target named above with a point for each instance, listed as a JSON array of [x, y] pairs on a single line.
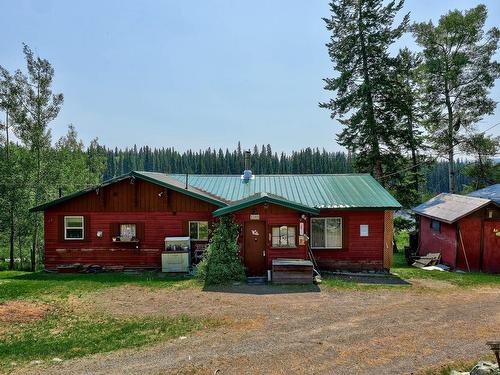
[[191, 193], [252, 202], [459, 217]]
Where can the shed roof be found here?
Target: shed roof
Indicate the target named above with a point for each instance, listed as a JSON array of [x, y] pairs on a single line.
[[336, 191], [491, 192], [450, 207]]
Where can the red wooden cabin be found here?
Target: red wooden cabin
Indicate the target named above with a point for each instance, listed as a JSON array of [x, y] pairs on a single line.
[[465, 230], [345, 219]]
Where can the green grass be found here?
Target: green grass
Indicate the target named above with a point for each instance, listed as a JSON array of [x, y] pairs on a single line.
[[405, 272], [64, 335], [460, 279], [48, 286]]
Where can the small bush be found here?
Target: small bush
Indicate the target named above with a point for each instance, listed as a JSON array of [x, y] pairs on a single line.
[[222, 262]]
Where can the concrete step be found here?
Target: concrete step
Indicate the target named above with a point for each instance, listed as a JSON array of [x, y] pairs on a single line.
[[256, 280]]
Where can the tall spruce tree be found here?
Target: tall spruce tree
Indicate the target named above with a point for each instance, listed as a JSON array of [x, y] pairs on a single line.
[[404, 104], [459, 71], [361, 33]]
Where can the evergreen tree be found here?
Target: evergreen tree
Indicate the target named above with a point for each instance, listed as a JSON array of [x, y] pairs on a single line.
[[458, 74], [361, 33], [222, 263], [484, 171]]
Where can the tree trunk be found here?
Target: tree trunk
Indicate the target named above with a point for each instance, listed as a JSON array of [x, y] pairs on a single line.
[[370, 115], [34, 245], [451, 138], [11, 203]]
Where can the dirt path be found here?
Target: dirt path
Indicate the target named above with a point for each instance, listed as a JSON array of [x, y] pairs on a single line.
[[382, 331]]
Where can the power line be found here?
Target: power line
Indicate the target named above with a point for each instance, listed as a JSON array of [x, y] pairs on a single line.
[[434, 158]]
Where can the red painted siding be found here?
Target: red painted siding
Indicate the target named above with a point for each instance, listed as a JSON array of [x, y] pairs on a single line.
[[275, 216], [102, 251], [443, 242], [168, 214], [470, 252], [357, 253], [491, 246]]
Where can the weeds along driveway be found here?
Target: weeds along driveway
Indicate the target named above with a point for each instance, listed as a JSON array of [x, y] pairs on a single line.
[[381, 331]]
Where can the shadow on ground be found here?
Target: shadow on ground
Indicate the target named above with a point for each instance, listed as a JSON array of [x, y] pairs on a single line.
[[243, 288]]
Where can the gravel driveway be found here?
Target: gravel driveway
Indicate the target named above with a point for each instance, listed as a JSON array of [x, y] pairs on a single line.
[[381, 331]]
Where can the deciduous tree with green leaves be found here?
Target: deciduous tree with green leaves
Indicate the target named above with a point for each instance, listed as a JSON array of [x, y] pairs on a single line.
[[38, 107], [361, 33], [459, 71]]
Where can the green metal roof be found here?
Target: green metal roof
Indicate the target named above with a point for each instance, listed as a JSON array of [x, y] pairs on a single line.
[[264, 198], [338, 191]]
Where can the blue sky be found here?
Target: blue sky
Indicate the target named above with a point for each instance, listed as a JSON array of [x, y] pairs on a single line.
[[192, 74]]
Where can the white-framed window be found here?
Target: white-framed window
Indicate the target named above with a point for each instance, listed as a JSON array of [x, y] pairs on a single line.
[[127, 232], [198, 230], [73, 227], [326, 233], [283, 236], [363, 230]]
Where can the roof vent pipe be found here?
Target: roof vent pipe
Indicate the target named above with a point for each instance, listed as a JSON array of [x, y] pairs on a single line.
[[247, 173]]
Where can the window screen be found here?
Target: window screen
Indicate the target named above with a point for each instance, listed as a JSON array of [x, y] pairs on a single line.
[[326, 233]]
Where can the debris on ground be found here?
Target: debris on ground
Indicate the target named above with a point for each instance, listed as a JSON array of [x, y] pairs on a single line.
[[482, 368], [437, 267], [430, 259]]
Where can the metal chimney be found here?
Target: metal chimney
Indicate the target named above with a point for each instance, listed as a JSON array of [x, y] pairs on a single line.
[[247, 173]]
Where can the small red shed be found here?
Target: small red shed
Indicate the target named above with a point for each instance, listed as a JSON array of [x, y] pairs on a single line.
[[345, 220], [465, 230]]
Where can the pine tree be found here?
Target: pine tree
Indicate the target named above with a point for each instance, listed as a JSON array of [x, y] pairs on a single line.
[[458, 74], [361, 33]]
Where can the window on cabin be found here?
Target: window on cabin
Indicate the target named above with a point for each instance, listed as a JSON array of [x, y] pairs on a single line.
[[283, 236], [436, 225], [73, 228], [128, 232], [198, 230], [326, 233]]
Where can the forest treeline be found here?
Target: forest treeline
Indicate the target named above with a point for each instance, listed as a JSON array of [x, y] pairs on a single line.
[[263, 161]]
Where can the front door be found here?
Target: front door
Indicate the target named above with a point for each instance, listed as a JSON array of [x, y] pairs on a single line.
[[255, 247]]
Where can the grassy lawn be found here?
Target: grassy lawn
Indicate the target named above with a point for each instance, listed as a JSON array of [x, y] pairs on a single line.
[[405, 272], [460, 279], [63, 331], [42, 286]]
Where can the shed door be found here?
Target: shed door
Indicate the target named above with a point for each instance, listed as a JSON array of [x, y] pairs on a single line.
[[255, 247], [491, 246]]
